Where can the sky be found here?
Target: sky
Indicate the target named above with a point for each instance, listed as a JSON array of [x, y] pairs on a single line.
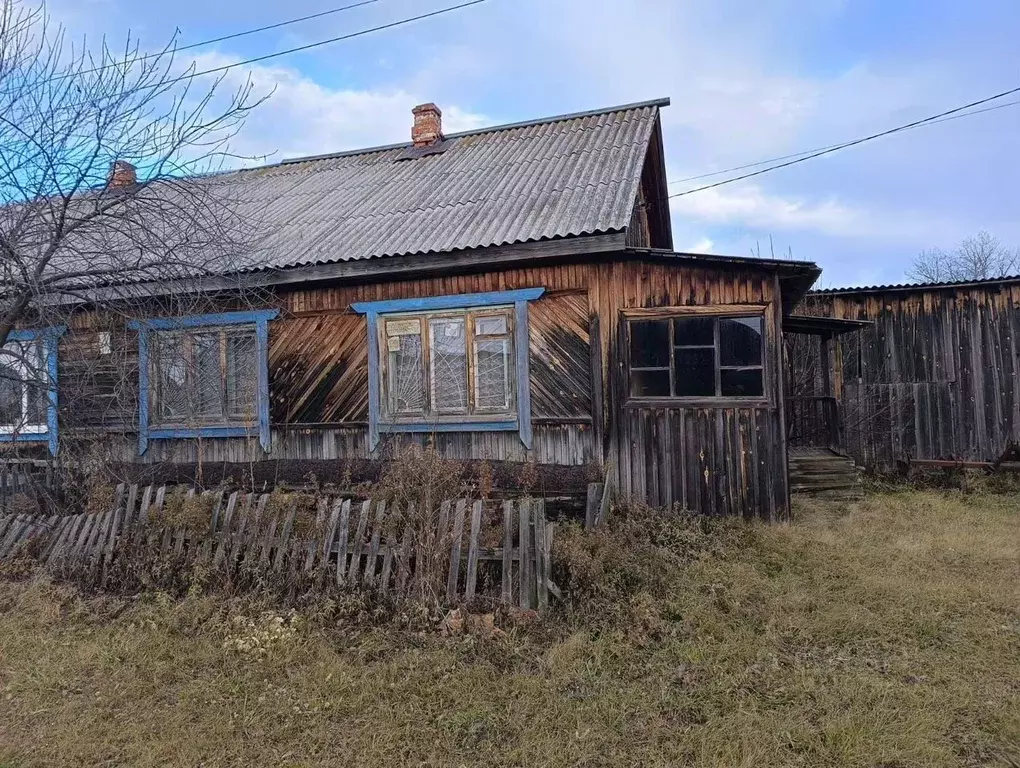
[[748, 79]]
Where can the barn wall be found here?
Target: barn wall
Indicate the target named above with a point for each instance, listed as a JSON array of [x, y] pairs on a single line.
[[937, 377]]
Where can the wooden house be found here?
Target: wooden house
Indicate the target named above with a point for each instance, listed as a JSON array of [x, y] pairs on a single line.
[[932, 376], [509, 294]]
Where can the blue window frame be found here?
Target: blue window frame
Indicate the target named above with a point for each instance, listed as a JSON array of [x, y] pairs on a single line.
[[442, 344], [28, 387], [192, 376]]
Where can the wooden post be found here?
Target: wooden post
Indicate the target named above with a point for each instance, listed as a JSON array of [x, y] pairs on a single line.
[[523, 536], [358, 544], [591, 506], [341, 557], [540, 556]]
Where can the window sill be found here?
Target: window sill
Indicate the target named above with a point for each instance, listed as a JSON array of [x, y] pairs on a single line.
[[698, 402], [450, 426], [24, 437]]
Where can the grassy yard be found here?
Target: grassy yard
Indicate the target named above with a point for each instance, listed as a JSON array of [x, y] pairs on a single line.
[[883, 633]]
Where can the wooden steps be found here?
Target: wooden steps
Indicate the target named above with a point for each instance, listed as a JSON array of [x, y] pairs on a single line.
[[824, 473]]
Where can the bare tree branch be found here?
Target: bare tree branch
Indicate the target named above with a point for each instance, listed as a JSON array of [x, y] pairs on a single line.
[[979, 257]]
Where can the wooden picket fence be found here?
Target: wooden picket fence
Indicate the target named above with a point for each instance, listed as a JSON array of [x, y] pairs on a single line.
[[23, 478], [351, 543]]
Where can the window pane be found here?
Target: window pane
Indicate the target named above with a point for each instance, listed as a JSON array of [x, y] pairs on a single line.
[[406, 373], [242, 376], [742, 383], [170, 377], [449, 364], [740, 341], [695, 372], [208, 375], [649, 383], [693, 331], [490, 326], [10, 393], [649, 343], [492, 373]]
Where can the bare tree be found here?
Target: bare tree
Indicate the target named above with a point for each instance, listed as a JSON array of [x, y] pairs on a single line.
[[106, 184], [978, 257]]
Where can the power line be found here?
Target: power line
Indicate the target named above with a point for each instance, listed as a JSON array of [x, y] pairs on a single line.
[[830, 146], [320, 43], [232, 36], [855, 142]]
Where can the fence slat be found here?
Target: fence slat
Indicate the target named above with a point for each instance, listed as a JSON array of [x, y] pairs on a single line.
[[358, 544], [56, 533], [345, 528], [130, 520], [389, 549], [550, 530], [311, 544], [591, 505], [252, 542], [404, 556], [472, 563], [67, 534], [458, 534], [331, 531], [506, 592], [224, 543], [373, 552], [523, 536], [540, 589], [285, 534]]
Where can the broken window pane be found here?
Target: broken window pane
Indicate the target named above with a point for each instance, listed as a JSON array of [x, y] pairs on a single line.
[[740, 341], [694, 331], [649, 344], [649, 383], [492, 371], [694, 372], [242, 376], [742, 383], [406, 374]]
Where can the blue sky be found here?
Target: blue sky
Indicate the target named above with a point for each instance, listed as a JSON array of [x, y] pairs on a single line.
[[749, 80]]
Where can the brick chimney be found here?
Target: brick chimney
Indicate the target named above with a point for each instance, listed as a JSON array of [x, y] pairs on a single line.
[[122, 174], [428, 125]]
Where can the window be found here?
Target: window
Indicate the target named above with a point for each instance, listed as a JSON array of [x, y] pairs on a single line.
[[204, 376], [696, 357], [454, 363], [449, 365], [23, 388]]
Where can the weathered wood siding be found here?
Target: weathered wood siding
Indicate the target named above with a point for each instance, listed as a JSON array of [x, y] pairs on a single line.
[[717, 459], [937, 377]]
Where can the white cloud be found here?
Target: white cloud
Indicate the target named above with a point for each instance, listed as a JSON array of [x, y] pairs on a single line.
[[301, 117], [750, 206], [704, 245]]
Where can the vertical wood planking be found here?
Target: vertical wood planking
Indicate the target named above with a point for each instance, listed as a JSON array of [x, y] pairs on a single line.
[[508, 545], [472, 563], [458, 535], [524, 535]]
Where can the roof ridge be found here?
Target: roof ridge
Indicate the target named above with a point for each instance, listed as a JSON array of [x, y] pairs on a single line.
[[662, 102]]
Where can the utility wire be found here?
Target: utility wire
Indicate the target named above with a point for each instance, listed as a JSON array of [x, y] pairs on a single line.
[[309, 46], [830, 146], [853, 143], [233, 36]]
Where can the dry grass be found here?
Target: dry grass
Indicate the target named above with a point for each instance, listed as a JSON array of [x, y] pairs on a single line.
[[884, 633]]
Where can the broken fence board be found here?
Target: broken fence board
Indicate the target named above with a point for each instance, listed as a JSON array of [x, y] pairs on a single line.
[[472, 563], [458, 535]]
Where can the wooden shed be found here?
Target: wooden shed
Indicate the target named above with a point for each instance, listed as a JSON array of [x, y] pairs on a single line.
[[933, 375], [508, 294]]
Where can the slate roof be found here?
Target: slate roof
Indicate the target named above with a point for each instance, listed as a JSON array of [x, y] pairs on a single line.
[[556, 177]]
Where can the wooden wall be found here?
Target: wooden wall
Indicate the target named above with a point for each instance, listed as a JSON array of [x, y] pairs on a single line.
[[716, 459], [712, 458], [936, 378]]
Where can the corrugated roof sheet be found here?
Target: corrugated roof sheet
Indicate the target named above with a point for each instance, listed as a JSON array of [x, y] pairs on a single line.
[[919, 286], [558, 177]]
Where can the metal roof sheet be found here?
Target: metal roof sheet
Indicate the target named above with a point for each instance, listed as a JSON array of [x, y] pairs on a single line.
[[949, 284], [558, 177]]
